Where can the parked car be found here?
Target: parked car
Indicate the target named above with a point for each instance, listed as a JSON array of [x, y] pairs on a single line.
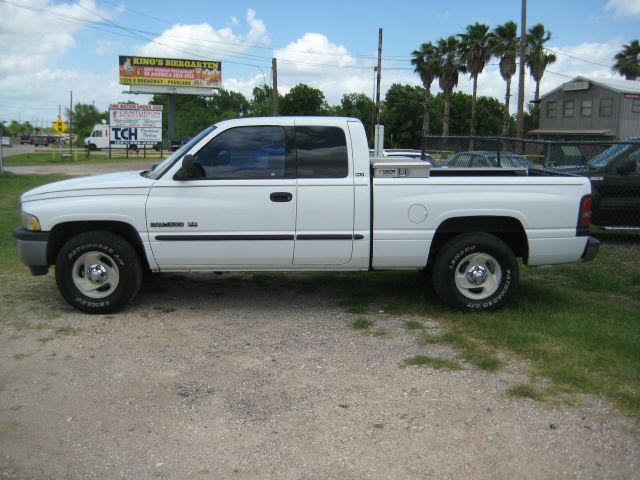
[[615, 183], [41, 140], [487, 159], [25, 139], [178, 142]]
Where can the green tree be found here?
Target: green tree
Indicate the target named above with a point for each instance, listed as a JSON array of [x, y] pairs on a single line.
[[627, 61], [450, 66], [191, 115], [475, 52], [538, 60], [504, 44], [227, 105], [360, 106], [402, 116], [303, 100], [426, 65], [85, 116], [262, 101]]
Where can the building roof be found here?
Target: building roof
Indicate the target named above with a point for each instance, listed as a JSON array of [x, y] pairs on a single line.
[[615, 84]]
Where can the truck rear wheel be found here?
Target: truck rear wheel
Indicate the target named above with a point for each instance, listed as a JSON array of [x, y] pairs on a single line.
[[475, 272], [98, 272]]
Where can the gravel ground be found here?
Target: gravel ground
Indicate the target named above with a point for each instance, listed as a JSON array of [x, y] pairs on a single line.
[[235, 376]]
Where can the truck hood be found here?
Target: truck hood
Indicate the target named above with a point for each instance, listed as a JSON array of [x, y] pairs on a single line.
[[106, 184]]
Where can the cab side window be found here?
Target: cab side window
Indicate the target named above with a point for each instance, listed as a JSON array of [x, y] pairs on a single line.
[[245, 153], [321, 152]]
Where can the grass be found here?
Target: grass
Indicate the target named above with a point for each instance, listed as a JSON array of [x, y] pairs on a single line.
[[482, 357], [433, 362], [414, 325], [54, 157], [526, 390], [362, 324]]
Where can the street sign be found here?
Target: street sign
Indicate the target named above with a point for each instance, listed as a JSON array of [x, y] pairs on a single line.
[[59, 126]]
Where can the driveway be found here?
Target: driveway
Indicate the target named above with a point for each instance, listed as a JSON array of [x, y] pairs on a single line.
[[247, 376]]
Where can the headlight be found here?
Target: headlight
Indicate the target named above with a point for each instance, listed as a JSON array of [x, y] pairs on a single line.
[[30, 222]]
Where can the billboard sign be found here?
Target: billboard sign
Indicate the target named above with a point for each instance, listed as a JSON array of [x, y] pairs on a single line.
[[170, 75], [131, 124]]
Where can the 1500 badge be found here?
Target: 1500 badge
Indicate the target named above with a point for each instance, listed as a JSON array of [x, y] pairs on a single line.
[[172, 224]]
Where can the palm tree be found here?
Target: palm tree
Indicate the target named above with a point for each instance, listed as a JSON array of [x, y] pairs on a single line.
[[538, 60], [475, 53], [449, 66], [426, 66], [504, 45], [627, 61]]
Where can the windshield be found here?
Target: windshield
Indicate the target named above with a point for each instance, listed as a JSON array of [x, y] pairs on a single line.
[[158, 170], [602, 159]]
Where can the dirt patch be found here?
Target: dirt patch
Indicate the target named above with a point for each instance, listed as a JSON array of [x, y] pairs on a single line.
[[235, 377]]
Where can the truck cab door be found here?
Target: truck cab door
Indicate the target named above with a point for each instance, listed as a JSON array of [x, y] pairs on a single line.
[[235, 208], [325, 192]]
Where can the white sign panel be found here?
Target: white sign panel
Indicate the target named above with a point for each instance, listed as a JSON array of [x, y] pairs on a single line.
[[131, 124], [572, 86]]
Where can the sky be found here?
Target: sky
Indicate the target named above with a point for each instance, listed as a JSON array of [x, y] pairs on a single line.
[[50, 48]]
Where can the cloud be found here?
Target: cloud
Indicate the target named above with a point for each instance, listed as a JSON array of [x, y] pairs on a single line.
[[39, 35], [35, 37], [314, 60], [203, 41], [104, 47], [623, 8]]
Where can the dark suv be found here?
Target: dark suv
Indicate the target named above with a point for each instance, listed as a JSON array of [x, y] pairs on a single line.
[[615, 182]]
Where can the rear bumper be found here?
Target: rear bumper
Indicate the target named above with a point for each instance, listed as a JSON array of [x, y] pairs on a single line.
[[32, 249], [591, 249]]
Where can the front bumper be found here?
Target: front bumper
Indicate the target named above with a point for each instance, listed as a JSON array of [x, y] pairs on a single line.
[[591, 249], [32, 249]]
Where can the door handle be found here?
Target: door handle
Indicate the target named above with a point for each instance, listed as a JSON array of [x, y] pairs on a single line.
[[281, 197]]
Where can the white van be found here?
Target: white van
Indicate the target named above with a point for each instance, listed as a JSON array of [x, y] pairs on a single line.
[[99, 139]]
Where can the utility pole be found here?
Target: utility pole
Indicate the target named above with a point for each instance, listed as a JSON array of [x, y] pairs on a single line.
[[377, 143], [274, 74], [523, 46], [71, 125]]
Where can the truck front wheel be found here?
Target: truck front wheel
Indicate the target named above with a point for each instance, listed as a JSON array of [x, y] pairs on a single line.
[[475, 272], [98, 272]]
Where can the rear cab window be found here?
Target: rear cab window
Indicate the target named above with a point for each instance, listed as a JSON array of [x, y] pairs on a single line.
[[321, 152]]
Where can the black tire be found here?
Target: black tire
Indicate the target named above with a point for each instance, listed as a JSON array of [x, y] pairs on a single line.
[[92, 147], [475, 272], [115, 277]]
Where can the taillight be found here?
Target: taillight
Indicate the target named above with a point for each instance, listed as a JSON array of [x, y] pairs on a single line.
[[584, 219]]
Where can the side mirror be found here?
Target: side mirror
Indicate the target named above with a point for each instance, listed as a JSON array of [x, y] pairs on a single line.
[[189, 169], [627, 166]]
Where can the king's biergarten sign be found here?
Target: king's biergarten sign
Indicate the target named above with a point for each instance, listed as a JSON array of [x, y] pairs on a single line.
[[154, 74]]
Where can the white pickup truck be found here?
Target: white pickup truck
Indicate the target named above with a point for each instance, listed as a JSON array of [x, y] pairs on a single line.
[[301, 193]]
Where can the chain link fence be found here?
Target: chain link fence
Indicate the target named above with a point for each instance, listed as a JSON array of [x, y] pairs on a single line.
[[613, 168]]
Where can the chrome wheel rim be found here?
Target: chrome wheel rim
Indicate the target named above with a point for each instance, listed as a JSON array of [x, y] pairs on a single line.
[[95, 275], [478, 276]]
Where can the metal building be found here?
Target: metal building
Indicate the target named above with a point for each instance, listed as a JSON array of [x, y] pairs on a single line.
[[590, 109]]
